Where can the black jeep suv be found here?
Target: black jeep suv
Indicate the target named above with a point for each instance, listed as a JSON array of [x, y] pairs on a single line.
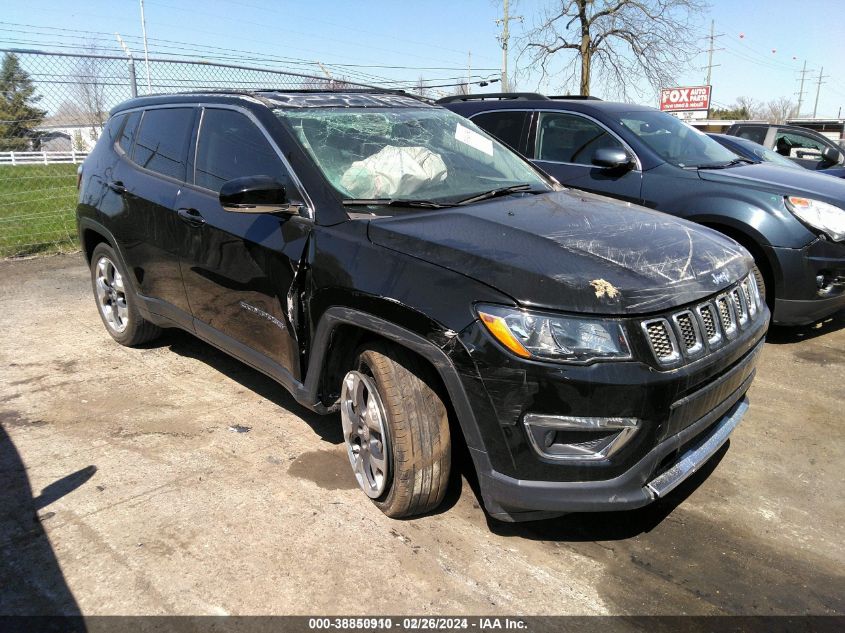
[[387, 259]]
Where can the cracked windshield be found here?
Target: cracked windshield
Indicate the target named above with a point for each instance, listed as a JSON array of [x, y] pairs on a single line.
[[410, 154]]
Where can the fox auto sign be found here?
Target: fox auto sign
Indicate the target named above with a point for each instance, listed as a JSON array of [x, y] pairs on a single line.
[[685, 99]]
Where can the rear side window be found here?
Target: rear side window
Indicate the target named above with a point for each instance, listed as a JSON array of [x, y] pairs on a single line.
[[756, 134], [231, 146], [568, 138], [112, 128], [506, 126], [162, 142], [127, 136]]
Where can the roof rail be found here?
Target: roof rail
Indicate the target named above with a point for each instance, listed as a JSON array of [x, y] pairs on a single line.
[[499, 96], [580, 97]]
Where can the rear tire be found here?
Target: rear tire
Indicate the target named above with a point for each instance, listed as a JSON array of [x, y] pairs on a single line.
[[116, 300], [388, 405]]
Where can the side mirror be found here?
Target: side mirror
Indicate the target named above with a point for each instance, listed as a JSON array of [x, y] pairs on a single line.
[[831, 155], [609, 158], [256, 194]]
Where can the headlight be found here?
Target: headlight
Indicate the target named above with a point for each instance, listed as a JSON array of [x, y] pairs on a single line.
[[820, 215], [556, 338]]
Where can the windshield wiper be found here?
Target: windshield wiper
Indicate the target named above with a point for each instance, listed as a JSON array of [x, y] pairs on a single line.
[[735, 161], [396, 202], [495, 193]]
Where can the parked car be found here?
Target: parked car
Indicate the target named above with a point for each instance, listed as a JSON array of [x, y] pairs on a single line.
[[754, 152], [792, 222], [805, 147], [387, 259]]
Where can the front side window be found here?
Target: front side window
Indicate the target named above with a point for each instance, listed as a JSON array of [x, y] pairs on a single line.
[[403, 153], [795, 145], [505, 125], [674, 141], [231, 146], [162, 142], [568, 138]]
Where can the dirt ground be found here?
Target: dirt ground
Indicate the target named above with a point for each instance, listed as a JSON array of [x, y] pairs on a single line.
[[175, 480]]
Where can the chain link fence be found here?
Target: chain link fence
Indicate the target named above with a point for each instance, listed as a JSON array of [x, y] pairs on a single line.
[[52, 110]]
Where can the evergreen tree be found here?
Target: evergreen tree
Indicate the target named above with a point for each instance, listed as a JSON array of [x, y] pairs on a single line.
[[18, 115]]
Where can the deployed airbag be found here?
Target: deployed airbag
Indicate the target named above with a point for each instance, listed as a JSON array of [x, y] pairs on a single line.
[[393, 172]]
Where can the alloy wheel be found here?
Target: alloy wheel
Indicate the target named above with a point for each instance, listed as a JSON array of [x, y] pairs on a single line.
[[363, 419]]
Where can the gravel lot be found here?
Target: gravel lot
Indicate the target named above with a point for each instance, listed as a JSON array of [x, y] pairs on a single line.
[[175, 480]]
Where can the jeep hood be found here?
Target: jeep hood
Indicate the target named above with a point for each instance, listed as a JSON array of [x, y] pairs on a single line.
[[571, 251], [781, 181]]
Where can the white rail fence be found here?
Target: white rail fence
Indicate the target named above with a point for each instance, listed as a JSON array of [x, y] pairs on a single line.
[[42, 158]]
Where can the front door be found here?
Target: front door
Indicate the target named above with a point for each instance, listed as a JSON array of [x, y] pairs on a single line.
[[564, 144], [239, 268]]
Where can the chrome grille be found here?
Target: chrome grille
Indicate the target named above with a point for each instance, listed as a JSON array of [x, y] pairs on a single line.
[[706, 312], [725, 313], [689, 333], [739, 306], [662, 340]]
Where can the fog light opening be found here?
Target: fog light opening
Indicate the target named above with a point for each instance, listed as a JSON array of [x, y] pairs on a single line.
[[578, 438]]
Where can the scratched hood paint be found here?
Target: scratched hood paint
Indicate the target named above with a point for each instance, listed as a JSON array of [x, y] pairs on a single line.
[[572, 251]]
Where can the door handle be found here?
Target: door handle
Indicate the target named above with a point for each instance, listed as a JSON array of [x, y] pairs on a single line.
[[117, 186], [191, 216]]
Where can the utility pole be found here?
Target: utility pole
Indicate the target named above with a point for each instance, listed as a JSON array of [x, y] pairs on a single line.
[[801, 90], [506, 34], [710, 64], [818, 90], [469, 70], [146, 51]]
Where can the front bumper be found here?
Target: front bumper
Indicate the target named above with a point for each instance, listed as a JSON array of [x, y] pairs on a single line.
[[509, 499], [799, 300], [679, 410]]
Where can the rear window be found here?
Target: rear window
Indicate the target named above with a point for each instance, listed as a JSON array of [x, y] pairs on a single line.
[[162, 142], [127, 136], [756, 134]]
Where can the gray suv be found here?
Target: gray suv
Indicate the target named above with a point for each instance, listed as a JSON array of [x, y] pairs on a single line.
[[792, 222]]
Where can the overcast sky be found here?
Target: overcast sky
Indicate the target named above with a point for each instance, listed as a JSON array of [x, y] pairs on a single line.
[[432, 38]]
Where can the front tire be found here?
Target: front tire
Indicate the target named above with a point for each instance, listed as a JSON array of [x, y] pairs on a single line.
[[117, 303], [396, 430]]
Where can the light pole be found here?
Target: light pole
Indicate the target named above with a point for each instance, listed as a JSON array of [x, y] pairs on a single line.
[[146, 51]]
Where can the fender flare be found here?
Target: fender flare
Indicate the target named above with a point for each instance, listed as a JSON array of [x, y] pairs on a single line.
[[340, 315]]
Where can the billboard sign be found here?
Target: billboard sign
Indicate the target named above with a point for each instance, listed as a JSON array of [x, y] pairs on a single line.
[[687, 99]]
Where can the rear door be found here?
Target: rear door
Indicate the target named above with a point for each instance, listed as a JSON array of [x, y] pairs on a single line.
[[239, 268], [563, 144], [154, 148]]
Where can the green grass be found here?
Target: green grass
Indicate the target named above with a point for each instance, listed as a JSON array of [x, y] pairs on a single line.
[[37, 205]]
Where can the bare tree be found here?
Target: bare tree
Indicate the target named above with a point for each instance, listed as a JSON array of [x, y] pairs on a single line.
[[781, 109], [90, 90], [754, 109], [614, 40]]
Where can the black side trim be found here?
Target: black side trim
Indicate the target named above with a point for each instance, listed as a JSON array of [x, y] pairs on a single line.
[[337, 315]]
